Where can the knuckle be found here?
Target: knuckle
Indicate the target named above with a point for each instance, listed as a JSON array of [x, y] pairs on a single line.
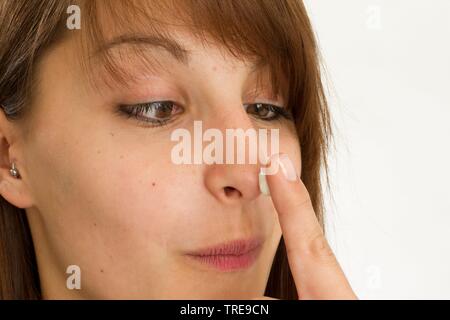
[[318, 248], [303, 203]]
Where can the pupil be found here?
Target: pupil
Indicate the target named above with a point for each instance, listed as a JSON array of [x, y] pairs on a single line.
[[262, 109], [163, 110]]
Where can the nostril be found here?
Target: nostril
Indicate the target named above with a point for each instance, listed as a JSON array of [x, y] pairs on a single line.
[[230, 191]]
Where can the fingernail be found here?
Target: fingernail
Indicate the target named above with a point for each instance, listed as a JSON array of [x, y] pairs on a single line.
[[263, 186], [286, 166]]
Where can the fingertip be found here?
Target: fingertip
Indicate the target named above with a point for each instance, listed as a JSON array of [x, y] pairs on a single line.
[[281, 161]]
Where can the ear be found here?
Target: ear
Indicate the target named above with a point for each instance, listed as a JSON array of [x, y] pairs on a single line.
[[12, 189]]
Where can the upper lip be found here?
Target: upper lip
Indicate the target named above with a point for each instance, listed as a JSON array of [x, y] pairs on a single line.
[[235, 247]]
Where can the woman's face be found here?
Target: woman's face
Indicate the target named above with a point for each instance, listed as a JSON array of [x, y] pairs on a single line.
[[106, 194]]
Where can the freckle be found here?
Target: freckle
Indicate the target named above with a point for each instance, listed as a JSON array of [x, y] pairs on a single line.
[[153, 184], [121, 157], [112, 134], [101, 270], [95, 224], [98, 152]]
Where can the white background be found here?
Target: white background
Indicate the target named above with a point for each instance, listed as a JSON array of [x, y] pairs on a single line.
[[388, 77]]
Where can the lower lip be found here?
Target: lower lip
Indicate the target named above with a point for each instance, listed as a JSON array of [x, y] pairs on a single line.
[[229, 262]]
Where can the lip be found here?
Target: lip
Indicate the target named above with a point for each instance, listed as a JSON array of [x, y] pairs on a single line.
[[229, 256]]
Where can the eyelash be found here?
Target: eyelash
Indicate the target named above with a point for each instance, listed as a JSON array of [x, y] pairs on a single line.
[[280, 112], [134, 111]]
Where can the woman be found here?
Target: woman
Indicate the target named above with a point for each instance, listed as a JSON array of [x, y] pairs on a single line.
[[87, 179]]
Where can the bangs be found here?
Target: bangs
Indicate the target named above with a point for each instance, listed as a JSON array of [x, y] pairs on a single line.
[[257, 31]]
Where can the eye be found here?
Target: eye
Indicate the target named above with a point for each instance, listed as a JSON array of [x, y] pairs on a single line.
[[268, 112], [155, 114]]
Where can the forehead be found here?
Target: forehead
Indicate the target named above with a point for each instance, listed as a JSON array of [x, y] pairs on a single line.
[[148, 32], [180, 46]]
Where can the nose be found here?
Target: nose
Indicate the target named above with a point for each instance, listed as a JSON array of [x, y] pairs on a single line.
[[233, 182]]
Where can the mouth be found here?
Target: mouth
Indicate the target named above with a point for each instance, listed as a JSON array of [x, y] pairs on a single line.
[[229, 256]]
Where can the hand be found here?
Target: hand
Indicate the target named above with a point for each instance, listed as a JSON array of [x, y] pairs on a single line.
[[315, 269]]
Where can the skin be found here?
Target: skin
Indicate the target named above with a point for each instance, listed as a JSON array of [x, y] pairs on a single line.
[[316, 271], [101, 192]]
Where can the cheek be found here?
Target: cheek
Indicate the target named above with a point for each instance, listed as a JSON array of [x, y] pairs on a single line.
[[137, 197], [125, 197], [99, 195], [157, 200]]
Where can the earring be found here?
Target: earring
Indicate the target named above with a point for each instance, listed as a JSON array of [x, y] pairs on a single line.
[[14, 172]]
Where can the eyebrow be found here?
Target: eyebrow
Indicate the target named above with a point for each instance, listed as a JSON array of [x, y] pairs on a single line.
[[173, 47]]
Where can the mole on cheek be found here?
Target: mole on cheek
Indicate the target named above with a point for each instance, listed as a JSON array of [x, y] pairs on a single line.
[[153, 184]]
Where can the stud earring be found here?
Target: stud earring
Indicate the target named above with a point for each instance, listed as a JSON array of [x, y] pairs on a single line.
[[14, 172]]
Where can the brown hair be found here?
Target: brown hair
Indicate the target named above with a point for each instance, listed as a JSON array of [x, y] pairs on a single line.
[[275, 32]]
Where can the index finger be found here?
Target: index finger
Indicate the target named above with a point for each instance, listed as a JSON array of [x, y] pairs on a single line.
[[316, 271]]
